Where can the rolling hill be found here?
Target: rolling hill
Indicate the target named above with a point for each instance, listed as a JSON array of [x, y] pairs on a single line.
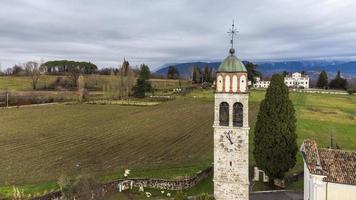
[[313, 68]]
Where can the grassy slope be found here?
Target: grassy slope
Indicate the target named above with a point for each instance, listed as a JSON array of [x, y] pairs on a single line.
[[169, 140], [318, 116], [23, 83]]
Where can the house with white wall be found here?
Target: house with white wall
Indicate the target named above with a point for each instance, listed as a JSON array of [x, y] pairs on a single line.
[[259, 83], [294, 80], [297, 80], [329, 174]]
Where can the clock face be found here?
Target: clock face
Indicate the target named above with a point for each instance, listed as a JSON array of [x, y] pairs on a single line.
[[229, 141]]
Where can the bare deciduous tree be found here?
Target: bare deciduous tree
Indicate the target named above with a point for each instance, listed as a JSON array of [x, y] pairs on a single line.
[[120, 86], [81, 88], [33, 69]]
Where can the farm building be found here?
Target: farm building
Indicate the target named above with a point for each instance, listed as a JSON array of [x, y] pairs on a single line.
[[328, 173]]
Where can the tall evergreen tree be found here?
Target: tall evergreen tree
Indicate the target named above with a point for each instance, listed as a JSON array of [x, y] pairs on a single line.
[[196, 75], [322, 80], [145, 72], [143, 84], [172, 73], [338, 82], [206, 74], [252, 71], [275, 131], [285, 73], [139, 88]]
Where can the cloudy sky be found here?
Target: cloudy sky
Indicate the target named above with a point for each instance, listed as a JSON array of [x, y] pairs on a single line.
[[168, 31]]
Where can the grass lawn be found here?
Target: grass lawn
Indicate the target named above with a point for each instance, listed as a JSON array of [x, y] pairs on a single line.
[[169, 140], [23, 83]]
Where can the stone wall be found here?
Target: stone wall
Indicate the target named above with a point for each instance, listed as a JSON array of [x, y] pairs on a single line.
[[111, 187]]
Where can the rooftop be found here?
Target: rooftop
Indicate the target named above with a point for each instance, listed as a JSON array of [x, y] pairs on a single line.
[[338, 166], [232, 64]]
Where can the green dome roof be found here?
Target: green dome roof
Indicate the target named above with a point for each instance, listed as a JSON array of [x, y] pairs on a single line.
[[232, 64]]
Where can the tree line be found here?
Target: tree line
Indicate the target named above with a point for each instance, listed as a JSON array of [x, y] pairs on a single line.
[[207, 74], [337, 83]]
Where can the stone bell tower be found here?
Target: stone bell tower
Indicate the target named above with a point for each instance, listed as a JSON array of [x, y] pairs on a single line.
[[231, 180]]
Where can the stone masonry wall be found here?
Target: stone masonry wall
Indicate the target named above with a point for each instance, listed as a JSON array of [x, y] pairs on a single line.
[[111, 187]]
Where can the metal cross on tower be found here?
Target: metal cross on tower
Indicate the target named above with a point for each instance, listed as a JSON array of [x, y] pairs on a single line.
[[232, 32]]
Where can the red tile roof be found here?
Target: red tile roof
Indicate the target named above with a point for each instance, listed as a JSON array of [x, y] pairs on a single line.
[[338, 166]]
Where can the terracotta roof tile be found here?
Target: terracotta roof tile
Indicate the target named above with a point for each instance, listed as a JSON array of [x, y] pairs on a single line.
[[337, 166]]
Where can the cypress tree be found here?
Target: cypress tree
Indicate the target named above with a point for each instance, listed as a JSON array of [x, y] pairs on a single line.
[[143, 84], [197, 76], [322, 80], [139, 88], [275, 131], [145, 72], [338, 82], [172, 73]]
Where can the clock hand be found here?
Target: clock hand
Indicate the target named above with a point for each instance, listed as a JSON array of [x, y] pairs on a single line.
[[228, 136], [230, 141]]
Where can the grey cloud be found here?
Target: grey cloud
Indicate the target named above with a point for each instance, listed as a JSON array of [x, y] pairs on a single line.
[[168, 31]]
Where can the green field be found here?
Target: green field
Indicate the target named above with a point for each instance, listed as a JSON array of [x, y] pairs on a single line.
[[169, 140], [23, 83]]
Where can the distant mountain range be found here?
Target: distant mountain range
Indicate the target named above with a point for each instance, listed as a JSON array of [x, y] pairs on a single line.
[[313, 68]]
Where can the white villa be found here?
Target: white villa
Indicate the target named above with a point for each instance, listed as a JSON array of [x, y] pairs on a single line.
[[328, 173], [260, 83], [295, 80]]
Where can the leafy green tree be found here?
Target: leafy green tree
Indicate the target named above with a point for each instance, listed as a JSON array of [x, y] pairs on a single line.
[[275, 131], [180, 195], [71, 68], [172, 73], [338, 82], [62, 66], [322, 80], [252, 71]]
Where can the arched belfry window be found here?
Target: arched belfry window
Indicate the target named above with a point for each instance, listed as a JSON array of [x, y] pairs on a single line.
[[238, 115], [224, 114]]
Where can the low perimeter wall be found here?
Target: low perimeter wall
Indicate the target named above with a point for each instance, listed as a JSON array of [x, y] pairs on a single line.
[[111, 187]]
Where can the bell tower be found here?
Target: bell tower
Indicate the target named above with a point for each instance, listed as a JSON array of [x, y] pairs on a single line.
[[231, 180]]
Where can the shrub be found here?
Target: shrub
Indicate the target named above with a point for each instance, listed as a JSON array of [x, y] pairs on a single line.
[[351, 91], [180, 195], [205, 196], [60, 83], [86, 187], [66, 185]]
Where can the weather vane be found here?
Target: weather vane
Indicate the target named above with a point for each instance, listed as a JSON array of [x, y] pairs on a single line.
[[232, 32]]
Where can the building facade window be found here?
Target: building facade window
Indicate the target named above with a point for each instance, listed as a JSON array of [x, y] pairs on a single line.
[[238, 115], [224, 114]]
